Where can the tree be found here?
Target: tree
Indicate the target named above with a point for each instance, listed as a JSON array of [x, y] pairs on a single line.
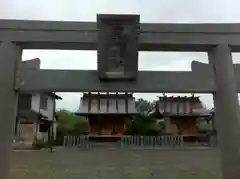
[[70, 124], [144, 106], [143, 125]]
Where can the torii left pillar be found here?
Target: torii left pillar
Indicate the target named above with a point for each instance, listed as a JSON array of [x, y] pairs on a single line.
[[10, 58]]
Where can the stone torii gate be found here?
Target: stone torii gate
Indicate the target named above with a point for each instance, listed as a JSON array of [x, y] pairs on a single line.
[[219, 40]]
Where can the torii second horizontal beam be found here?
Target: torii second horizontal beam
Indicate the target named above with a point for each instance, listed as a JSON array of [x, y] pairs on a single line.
[[87, 81], [148, 81]]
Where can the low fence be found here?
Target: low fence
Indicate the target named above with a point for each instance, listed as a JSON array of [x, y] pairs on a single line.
[[166, 141], [151, 141], [77, 141]]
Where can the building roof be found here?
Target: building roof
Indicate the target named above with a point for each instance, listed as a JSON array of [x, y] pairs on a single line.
[[54, 95], [106, 103], [31, 115], [181, 106]]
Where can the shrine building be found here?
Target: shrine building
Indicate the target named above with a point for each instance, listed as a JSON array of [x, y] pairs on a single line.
[[107, 114], [181, 114]]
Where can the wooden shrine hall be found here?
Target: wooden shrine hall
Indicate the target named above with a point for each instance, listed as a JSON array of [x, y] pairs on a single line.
[[107, 114], [181, 114]]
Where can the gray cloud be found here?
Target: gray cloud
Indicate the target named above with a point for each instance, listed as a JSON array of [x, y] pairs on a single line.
[[151, 10]]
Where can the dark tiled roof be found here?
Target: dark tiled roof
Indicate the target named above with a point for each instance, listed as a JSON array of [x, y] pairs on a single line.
[[31, 115], [176, 106], [54, 95], [105, 103]]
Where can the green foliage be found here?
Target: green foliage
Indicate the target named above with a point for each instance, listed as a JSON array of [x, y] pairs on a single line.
[[143, 125], [38, 143], [70, 124], [144, 106], [206, 127]]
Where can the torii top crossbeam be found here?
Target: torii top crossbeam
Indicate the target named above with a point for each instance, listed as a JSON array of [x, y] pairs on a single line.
[[153, 37], [84, 36]]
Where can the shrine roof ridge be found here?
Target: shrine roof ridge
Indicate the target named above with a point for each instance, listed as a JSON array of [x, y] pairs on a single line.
[[107, 95], [195, 98]]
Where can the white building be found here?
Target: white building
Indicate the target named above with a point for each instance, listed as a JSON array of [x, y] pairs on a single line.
[[36, 111], [36, 116]]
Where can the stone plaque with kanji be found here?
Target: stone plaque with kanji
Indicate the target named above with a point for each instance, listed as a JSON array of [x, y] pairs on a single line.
[[118, 46]]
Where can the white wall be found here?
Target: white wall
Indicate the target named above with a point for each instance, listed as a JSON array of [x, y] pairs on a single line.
[[36, 105], [55, 130], [49, 111], [42, 135]]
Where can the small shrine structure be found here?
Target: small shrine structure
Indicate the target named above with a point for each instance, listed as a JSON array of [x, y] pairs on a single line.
[[181, 114], [107, 114]]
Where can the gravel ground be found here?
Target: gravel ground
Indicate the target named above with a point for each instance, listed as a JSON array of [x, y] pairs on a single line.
[[116, 163]]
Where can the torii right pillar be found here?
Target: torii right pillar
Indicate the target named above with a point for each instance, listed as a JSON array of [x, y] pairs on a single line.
[[227, 110]]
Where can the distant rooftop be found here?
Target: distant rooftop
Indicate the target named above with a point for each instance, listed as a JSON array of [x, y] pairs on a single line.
[[54, 95], [181, 106], [107, 103]]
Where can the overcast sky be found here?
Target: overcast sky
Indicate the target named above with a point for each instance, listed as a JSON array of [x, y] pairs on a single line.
[[164, 11]]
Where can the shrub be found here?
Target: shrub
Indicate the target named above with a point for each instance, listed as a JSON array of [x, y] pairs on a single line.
[[38, 143]]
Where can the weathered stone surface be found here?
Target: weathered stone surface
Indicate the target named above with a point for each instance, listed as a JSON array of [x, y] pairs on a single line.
[[87, 81], [227, 110], [153, 37], [10, 57]]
